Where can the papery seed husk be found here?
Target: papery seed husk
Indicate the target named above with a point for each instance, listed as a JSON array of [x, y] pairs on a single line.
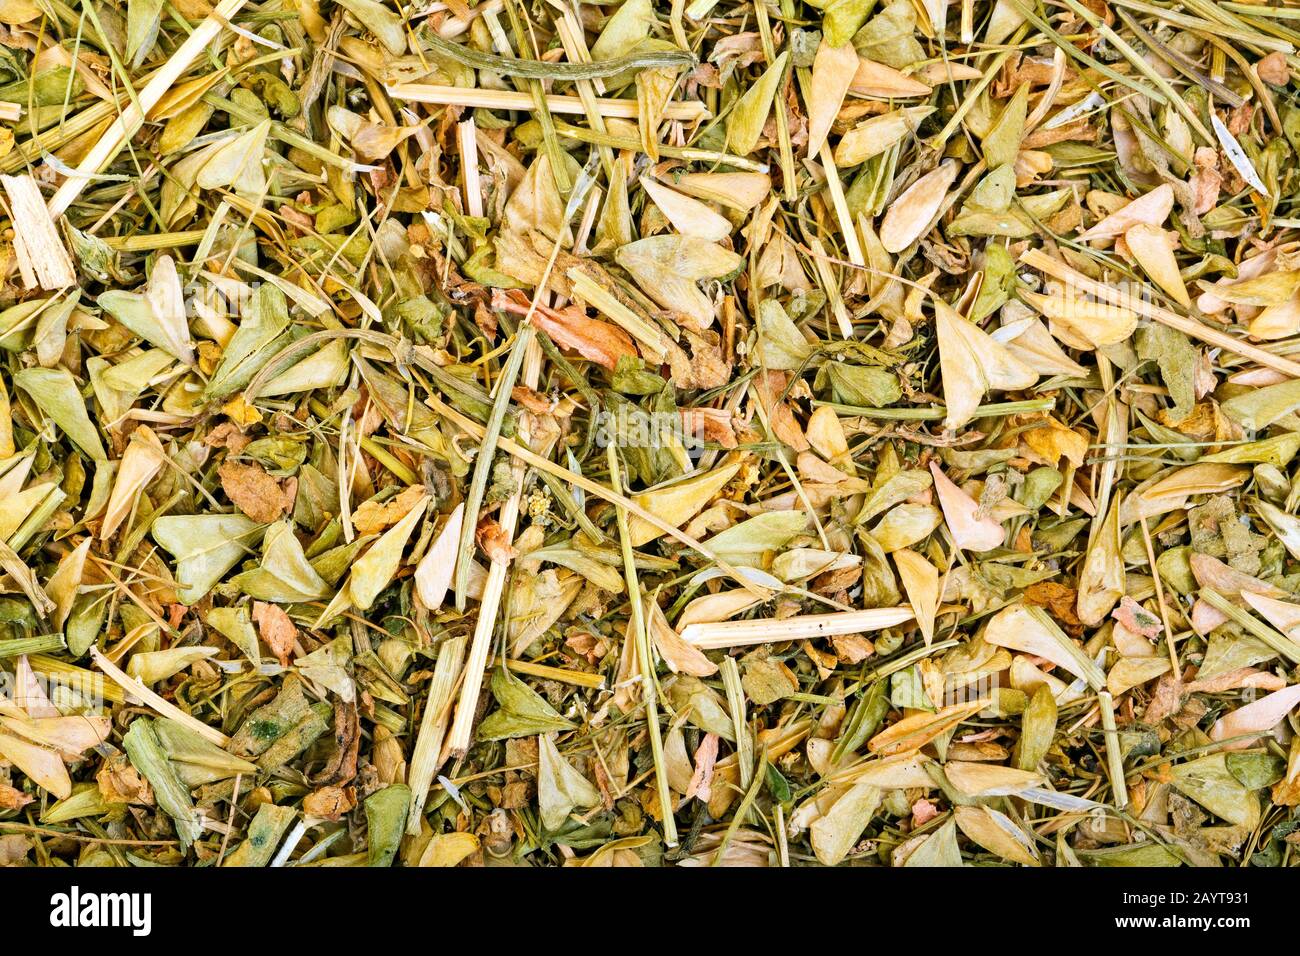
[[911, 214]]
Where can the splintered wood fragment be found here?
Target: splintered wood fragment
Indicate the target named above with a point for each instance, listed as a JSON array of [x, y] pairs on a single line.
[[467, 140], [133, 116], [463, 724], [1037, 259], [561, 674], [427, 756], [41, 257], [138, 690], [1114, 756], [842, 215], [767, 631], [513, 100]]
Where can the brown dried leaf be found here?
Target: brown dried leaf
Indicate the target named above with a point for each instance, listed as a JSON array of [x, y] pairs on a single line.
[[276, 629], [254, 492]]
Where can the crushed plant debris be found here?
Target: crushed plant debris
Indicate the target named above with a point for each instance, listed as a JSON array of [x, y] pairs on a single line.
[[647, 433]]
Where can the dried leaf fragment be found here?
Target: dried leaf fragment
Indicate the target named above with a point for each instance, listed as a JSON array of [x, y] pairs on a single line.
[[253, 491]]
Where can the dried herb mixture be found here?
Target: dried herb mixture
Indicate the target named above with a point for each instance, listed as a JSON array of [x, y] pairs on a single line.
[[776, 433]]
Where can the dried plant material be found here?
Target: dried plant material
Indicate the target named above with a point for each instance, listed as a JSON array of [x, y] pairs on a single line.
[[1227, 581], [914, 732], [1274, 288], [376, 517], [935, 849], [1136, 619], [884, 82], [522, 712], [1029, 341], [1031, 631], [597, 341], [873, 136], [689, 216], [448, 849], [668, 267], [372, 572], [904, 525], [370, 141], [988, 780], [1257, 409], [749, 114], [677, 503], [147, 756], [1203, 478], [969, 529], [712, 608], [283, 574], [911, 214], [1283, 615], [204, 548], [921, 583], [995, 832], [237, 163], [973, 364], [158, 313], [382, 22], [904, 770], [1037, 729], [42, 259], [835, 832], [833, 71], [151, 667], [235, 624], [1133, 672], [1002, 142], [1081, 322], [841, 434], [739, 633], [276, 629], [681, 656], [253, 491], [12, 799], [1101, 579], [43, 766], [55, 393], [741, 191], [560, 787], [1237, 156], [433, 573], [65, 583], [1258, 717], [1210, 782], [140, 462], [1150, 246], [1150, 209], [701, 781]]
